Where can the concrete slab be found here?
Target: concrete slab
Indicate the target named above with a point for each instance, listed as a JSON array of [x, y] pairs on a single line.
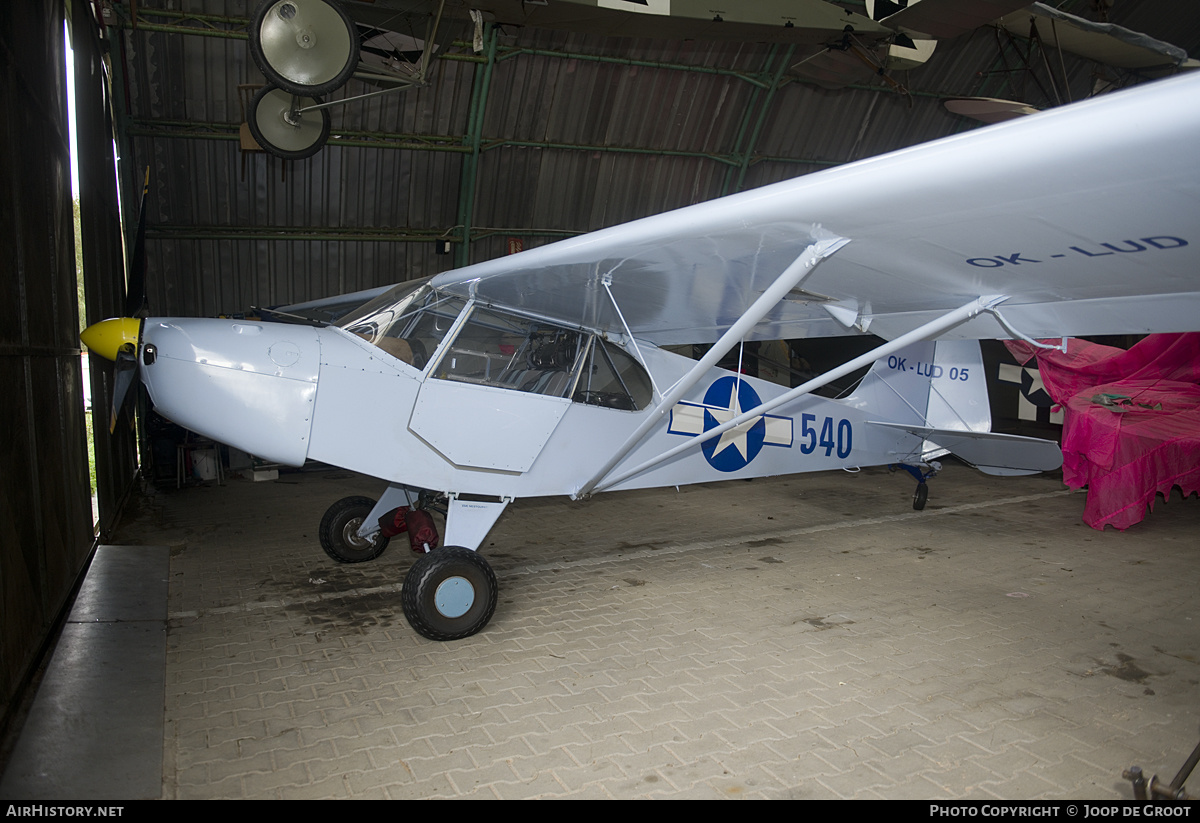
[[94, 731]]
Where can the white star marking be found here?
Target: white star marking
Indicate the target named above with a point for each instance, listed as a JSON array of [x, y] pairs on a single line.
[[689, 419], [736, 436]]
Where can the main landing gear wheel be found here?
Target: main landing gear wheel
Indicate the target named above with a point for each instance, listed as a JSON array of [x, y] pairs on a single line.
[[449, 594], [304, 46], [920, 496], [339, 531], [280, 128]]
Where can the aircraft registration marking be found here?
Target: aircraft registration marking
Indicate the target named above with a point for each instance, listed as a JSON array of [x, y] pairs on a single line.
[[930, 370], [1101, 250]]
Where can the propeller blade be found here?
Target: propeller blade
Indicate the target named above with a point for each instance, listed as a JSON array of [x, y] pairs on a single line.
[[135, 297], [124, 375]]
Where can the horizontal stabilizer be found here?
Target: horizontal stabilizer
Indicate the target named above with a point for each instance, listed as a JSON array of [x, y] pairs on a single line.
[[991, 453]]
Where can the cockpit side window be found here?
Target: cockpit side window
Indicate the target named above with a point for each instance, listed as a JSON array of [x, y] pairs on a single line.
[[495, 348]]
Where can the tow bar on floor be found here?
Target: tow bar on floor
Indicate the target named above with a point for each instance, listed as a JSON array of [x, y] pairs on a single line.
[[1153, 790]]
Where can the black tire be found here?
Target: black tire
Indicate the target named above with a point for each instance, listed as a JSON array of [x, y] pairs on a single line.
[[298, 69], [338, 528], [920, 496], [277, 132], [449, 594]]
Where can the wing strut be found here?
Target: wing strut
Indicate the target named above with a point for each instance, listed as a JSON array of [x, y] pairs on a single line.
[[792, 276], [1008, 327], [607, 282], [925, 332]]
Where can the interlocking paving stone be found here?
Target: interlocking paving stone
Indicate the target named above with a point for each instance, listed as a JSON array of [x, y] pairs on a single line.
[[808, 637]]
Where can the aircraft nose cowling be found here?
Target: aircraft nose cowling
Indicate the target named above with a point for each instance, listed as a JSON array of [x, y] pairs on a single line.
[[249, 384]]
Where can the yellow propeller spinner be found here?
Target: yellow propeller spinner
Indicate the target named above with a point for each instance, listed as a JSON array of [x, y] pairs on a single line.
[[107, 337]]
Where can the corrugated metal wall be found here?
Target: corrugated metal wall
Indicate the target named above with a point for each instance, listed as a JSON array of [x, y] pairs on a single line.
[[45, 511]]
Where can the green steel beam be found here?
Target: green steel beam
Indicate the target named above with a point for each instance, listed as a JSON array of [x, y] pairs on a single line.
[[133, 19], [182, 15], [760, 100], [767, 97], [509, 53], [164, 231], [167, 28], [195, 130], [553, 234], [474, 141], [797, 161], [741, 132], [292, 233], [541, 144]]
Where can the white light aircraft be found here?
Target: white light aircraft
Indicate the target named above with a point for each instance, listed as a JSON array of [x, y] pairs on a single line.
[[541, 373]]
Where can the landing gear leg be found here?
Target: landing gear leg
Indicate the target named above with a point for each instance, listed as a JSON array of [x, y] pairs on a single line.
[[921, 494], [451, 593]]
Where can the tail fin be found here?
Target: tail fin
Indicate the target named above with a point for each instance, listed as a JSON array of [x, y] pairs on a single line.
[[939, 384], [937, 391]]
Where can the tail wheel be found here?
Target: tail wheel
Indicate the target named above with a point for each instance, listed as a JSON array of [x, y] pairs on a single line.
[[449, 594], [920, 496], [339, 531]]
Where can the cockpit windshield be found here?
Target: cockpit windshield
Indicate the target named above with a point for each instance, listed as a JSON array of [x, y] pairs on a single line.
[[395, 300], [408, 321]]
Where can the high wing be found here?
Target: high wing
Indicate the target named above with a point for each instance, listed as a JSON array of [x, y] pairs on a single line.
[[1085, 219]]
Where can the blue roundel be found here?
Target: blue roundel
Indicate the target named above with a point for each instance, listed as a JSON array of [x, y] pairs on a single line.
[[735, 448]]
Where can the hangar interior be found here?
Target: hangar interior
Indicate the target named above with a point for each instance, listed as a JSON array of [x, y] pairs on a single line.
[[784, 638]]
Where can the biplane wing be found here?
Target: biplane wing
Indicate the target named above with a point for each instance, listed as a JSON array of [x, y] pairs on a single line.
[[942, 19], [1103, 42], [1080, 220]]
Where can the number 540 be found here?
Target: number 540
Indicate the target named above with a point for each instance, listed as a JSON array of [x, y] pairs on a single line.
[[810, 440]]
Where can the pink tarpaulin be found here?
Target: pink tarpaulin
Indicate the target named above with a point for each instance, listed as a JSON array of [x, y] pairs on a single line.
[[1131, 428]]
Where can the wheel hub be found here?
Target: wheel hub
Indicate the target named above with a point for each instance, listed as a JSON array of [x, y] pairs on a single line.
[[350, 534], [454, 597]]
